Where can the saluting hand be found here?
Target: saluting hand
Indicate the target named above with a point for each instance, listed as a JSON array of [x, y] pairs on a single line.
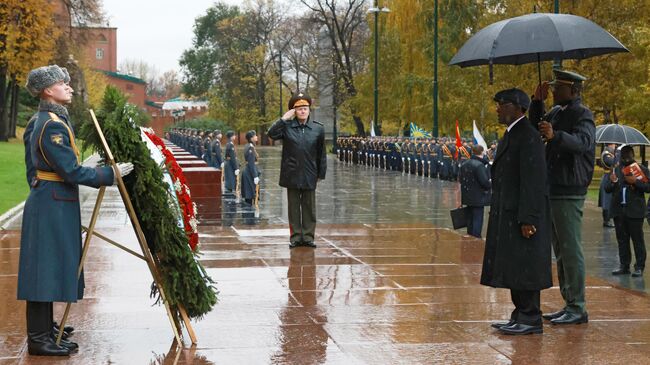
[[289, 115]]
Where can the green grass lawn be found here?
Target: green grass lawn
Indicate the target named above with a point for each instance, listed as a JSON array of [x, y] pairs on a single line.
[[13, 184]]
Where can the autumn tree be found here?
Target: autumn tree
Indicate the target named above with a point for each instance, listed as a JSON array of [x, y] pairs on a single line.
[[345, 23], [27, 40]]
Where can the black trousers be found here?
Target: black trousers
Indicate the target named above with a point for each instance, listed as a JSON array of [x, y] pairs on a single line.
[[527, 307], [627, 228]]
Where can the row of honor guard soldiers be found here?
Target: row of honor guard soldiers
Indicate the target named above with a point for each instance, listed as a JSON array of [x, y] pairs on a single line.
[[206, 145], [431, 157]]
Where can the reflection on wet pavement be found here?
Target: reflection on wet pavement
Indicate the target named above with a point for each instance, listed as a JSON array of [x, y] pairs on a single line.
[[388, 284]]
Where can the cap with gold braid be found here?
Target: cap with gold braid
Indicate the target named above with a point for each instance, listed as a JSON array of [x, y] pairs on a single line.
[[567, 77], [300, 99]]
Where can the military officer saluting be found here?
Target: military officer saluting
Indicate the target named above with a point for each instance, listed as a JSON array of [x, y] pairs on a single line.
[[50, 246]]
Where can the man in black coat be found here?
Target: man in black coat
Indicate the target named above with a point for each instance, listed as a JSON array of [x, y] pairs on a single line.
[[304, 162], [628, 207], [570, 134], [517, 246], [475, 190]]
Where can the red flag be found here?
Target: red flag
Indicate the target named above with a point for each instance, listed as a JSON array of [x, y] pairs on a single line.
[[459, 143]]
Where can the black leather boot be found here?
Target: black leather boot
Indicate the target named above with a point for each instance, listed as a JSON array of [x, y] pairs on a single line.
[[39, 331], [71, 346], [67, 329]]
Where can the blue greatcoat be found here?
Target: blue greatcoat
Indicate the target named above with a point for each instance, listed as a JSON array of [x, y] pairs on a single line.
[[249, 173], [50, 246], [230, 166]]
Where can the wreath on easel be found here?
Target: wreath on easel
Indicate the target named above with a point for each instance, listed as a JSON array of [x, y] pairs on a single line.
[[184, 279]]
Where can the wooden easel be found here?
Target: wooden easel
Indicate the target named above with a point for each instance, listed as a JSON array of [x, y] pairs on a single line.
[[152, 262]]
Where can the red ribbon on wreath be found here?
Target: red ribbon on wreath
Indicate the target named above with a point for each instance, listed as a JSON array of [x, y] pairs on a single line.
[[188, 208]]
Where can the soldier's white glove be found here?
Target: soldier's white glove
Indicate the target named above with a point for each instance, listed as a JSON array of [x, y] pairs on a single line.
[[237, 172], [125, 168], [222, 165], [256, 180]]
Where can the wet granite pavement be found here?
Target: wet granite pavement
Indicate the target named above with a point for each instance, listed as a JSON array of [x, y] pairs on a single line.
[[388, 284]]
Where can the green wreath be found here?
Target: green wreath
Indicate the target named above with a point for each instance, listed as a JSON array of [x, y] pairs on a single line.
[[184, 279]]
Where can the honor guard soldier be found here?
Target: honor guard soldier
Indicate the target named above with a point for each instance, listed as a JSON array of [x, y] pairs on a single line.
[[50, 246], [251, 175], [215, 150], [231, 169]]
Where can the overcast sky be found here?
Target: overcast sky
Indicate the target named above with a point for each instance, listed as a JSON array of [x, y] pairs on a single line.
[[156, 32]]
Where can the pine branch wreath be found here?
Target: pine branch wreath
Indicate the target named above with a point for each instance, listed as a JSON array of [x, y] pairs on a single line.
[[184, 279]]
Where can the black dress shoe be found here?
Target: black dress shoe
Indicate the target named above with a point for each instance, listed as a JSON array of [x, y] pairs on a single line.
[[621, 271], [637, 273], [608, 224], [499, 325], [521, 329], [571, 318], [553, 315], [309, 244], [42, 344], [294, 244]]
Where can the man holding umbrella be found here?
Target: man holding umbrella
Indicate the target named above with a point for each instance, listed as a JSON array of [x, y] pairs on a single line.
[[569, 131]]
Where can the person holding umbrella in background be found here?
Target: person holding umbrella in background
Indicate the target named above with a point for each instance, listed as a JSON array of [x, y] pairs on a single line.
[[628, 209], [569, 132]]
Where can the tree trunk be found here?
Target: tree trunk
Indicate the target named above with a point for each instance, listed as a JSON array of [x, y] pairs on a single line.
[[4, 125], [13, 112], [359, 124]]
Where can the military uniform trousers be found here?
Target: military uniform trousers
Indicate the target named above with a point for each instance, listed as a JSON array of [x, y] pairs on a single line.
[[566, 212], [302, 215]]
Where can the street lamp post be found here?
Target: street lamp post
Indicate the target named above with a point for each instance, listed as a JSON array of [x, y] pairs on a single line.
[[376, 10], [280, 69], [435, 69]]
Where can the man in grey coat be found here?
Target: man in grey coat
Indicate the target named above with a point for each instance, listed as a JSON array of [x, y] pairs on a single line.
[[304, 162]]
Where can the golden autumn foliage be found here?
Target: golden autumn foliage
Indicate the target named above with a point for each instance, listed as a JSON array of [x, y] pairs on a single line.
[[618, 88], [27, 36]]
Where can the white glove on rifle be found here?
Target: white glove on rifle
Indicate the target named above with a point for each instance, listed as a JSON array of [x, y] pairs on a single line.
[[237, 172], [256, 180], [125, 168]]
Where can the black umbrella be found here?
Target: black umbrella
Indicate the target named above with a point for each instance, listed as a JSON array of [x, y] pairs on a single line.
[[620, 134], [535, 38]]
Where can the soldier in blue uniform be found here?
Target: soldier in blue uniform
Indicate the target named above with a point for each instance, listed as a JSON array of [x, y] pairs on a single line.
[[231, 169], [50, 246], [251, 174], [215, 151]]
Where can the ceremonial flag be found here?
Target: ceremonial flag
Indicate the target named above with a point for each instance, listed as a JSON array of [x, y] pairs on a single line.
[[372, 128], [478, 138], [419, 132], [459, 143]]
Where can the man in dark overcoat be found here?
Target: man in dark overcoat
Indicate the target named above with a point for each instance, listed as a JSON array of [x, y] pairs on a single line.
[[50, 244], [518, 243], [475, 189], [304, 163]]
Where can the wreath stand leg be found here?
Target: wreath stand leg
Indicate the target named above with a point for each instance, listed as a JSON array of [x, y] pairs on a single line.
[[146, 253]]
